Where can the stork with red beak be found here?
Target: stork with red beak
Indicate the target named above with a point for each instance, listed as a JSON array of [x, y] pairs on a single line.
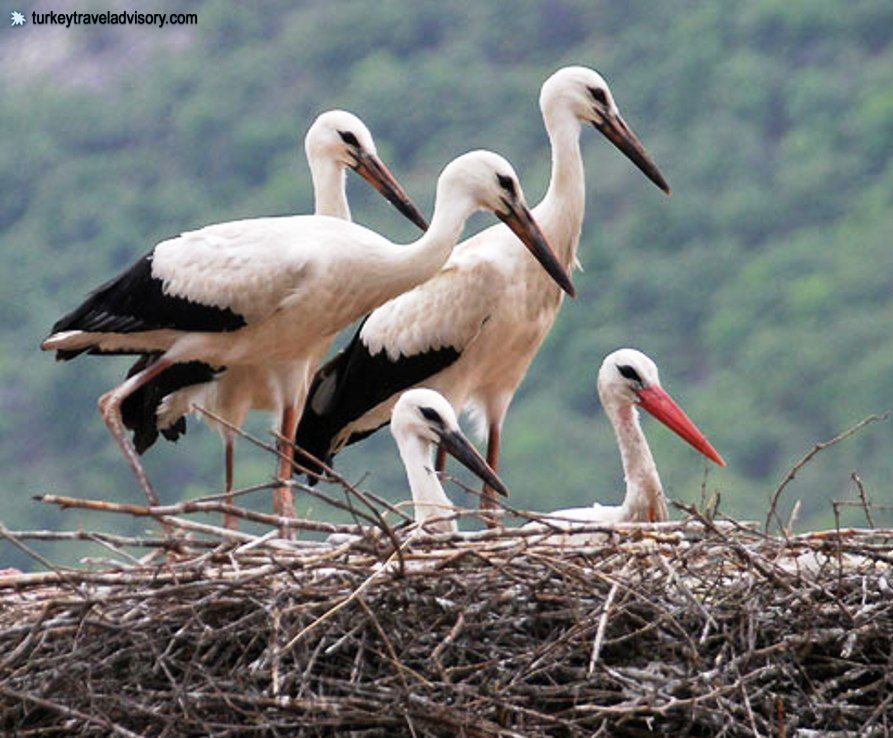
[[472, 331], [629, 380]]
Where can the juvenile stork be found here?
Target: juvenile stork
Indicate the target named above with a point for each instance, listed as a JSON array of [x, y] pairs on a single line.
[[275, 291], [421, 420], [336, 141], [472, 331], [628, 380]]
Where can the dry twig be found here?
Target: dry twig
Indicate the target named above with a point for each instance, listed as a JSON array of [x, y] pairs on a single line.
[[789, 477]]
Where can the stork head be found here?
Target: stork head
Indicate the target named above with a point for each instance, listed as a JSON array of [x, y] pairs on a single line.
[[342, 138], [425, 415], [628, 377], [586, 95], [486, 181]]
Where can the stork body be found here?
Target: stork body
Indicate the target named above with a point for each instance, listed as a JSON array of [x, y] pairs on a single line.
[[336, 141], [421, 420], [473, 330], [628, 380], [275, 291]]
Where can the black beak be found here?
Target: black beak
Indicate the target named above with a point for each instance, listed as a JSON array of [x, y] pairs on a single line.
[[373, 170], [460, 449], [521, 221], [618, 133]]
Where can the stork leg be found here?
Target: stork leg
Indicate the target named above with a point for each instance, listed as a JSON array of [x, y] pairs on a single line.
[[110, 408], [440, 460], [229, 521], [283, 500], [488, 495]]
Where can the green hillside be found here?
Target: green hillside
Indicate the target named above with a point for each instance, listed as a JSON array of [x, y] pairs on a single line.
[[763, 287]]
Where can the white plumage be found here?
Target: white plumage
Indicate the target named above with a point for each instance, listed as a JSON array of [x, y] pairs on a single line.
[[337, 140], [421, 420], [628, 380], [275, 291], [449, 312], [501, 305]]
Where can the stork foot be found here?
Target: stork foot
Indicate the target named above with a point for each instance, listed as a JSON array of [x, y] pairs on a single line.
[[110, 409]]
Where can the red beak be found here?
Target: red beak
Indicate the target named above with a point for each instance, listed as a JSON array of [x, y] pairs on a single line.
[[656, 401]]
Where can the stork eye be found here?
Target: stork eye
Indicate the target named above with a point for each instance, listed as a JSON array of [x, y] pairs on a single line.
[[507, 183], [348, 138], [599, 95], [431, 414], [630, 373]]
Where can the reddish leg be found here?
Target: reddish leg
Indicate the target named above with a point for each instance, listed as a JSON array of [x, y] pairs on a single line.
[[440, 460], [229, 521], [283, 500], [488, 498], [110, 408]]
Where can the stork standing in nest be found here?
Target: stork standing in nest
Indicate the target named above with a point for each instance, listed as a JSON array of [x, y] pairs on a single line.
[[274, 292], [473, 330], [336, 141]]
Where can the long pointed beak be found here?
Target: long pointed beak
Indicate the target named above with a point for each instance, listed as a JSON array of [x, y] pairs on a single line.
[[460, 449], [657, 402], [373, 170], [521, 221], [621, 135]]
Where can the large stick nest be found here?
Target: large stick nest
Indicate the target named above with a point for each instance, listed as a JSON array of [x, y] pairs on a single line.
[[696, 628]]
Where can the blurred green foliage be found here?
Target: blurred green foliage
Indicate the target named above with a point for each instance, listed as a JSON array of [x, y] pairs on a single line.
[[763, 287]]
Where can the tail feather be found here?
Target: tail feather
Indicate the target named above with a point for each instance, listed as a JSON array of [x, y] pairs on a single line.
[[133, 302], [139, 410]]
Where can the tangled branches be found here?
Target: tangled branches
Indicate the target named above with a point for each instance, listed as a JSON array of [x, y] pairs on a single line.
[[699, 628]]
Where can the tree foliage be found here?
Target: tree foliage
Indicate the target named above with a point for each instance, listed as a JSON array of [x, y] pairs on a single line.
[[762, 287]]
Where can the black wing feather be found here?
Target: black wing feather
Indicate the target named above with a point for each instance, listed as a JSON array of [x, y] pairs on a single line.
[[352, 383], [135, 301], [139, 411]]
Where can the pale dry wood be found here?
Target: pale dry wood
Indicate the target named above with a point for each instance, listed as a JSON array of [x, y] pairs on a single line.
[[701, 626]]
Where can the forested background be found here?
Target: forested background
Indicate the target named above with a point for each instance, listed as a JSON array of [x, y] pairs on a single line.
[[763, 287]]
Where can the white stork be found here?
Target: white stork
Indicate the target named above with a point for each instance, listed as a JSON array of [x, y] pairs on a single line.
[[472, 331], [274, 292], [336, 140], [628, 380], [421, 420]]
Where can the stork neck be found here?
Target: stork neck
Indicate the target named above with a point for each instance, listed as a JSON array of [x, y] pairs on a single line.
[[329, 188], [428, 497], [419, 261], [560, 213], [644, 499]]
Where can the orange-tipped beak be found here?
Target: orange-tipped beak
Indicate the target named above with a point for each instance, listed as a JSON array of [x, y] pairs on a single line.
[[656, 401], [373, 170]]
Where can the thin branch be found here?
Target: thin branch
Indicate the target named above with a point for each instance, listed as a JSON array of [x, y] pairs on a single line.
[[789, 477]]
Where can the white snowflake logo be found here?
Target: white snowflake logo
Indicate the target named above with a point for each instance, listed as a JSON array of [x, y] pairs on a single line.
[[17, 18]]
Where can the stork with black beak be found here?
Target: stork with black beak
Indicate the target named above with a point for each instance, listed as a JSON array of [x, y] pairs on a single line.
[[421, 421], [337, 141], [274, 292], [473, 330]]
